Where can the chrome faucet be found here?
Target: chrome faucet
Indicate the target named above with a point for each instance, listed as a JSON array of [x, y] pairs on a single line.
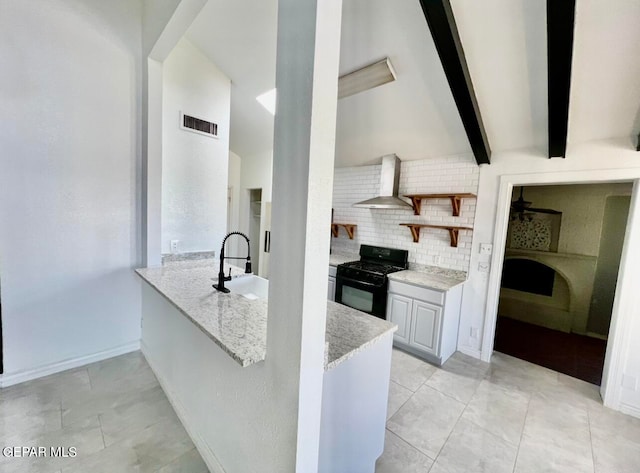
[[247, 269]]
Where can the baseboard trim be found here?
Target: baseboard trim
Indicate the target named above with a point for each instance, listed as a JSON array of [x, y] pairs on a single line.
[[203, 448], [470, 352], [630, 410], [11, 379]]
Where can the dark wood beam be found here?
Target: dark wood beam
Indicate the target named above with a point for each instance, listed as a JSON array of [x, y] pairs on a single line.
[[560, 23], [444, 31], [638, 147]]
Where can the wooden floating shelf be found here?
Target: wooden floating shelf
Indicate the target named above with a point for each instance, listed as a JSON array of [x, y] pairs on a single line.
[[453, 231], [456, 199], [349, 227]]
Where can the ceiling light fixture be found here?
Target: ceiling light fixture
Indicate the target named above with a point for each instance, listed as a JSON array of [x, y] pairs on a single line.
[[366, 78], [268, 101]]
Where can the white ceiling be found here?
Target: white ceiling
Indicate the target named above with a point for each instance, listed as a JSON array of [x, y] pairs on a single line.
[[605, 94], [415, 117], [505, 45], [240, 38]]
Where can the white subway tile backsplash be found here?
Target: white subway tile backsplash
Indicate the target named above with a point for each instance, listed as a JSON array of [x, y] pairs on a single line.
[[381, 227]]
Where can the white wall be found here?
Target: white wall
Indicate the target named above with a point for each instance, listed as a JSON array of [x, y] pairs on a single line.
[[69, 201], [381, 227], [156, 14], [235, 175], [194, 167], [582, 210], [256, 173], [164, 23], [608, 158]]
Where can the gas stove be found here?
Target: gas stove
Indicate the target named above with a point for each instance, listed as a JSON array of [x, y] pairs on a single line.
[[368, 271], [363, 284]]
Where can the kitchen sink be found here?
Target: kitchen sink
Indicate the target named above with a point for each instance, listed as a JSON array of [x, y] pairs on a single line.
[[251, 286]]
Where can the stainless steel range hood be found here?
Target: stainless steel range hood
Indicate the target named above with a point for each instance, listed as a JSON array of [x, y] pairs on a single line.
[[389, 180]]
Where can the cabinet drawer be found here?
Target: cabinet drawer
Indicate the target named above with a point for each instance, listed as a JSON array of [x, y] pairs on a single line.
[[417, 292]]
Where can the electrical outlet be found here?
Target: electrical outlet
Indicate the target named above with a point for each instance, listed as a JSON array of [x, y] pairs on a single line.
[[436, 259], [483, 267], [486, 248], [174, 246]]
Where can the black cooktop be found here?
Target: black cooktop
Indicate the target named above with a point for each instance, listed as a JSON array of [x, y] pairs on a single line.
[[374, 265]]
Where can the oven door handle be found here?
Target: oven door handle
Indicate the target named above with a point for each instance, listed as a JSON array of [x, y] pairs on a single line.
[[342, 279]]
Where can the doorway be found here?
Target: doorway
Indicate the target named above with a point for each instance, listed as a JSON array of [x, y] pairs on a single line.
[[562, 255], [255, 219]]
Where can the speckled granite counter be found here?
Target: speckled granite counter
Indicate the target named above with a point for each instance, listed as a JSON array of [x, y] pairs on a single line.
[[239, 325], [336, 259], [432, 277]]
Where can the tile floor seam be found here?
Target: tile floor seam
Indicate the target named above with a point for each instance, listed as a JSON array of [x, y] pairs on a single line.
[[593, 454], [450, 432], [397, 434], [423, 383], [408, 443], [484, 429], [429, 377], [401, 406], [104, 444], [524, 423], [406, 387], [89, 377], [449, 395]]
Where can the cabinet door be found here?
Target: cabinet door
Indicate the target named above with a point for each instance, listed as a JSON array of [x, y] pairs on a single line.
[[425, 326], [331, 290], [399, 312]]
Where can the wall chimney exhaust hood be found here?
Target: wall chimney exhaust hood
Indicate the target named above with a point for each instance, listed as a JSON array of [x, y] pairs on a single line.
[[388, 194]]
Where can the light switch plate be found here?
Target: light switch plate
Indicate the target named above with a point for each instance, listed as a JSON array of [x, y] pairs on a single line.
[[486, 248]]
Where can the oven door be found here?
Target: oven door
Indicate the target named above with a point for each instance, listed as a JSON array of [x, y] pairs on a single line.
[[363, 296]]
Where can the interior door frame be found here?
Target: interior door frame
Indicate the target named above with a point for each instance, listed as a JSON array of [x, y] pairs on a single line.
[[622, 315]]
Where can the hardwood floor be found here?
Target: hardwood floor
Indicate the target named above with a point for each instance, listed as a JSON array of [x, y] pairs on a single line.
[[575, 355]]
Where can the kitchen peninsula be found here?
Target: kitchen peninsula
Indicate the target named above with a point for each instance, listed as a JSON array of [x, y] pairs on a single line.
[[208, 350]]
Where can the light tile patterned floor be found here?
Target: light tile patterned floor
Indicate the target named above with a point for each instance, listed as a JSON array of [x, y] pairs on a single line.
[[114, 413], [510, 416]]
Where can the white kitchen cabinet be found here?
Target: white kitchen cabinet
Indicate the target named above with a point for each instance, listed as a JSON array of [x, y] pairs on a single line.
[[399, 312], [425, 326], [331, 289], [427, 320]]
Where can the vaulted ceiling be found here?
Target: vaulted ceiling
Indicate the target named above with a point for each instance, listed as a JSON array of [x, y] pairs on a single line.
[[416, 117]]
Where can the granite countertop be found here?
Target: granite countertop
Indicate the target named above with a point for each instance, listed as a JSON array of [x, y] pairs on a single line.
[[337, 259], [431, 277], [239, 325]]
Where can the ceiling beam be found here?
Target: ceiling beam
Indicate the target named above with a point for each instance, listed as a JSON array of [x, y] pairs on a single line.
[[560, 23], [443, 29]]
